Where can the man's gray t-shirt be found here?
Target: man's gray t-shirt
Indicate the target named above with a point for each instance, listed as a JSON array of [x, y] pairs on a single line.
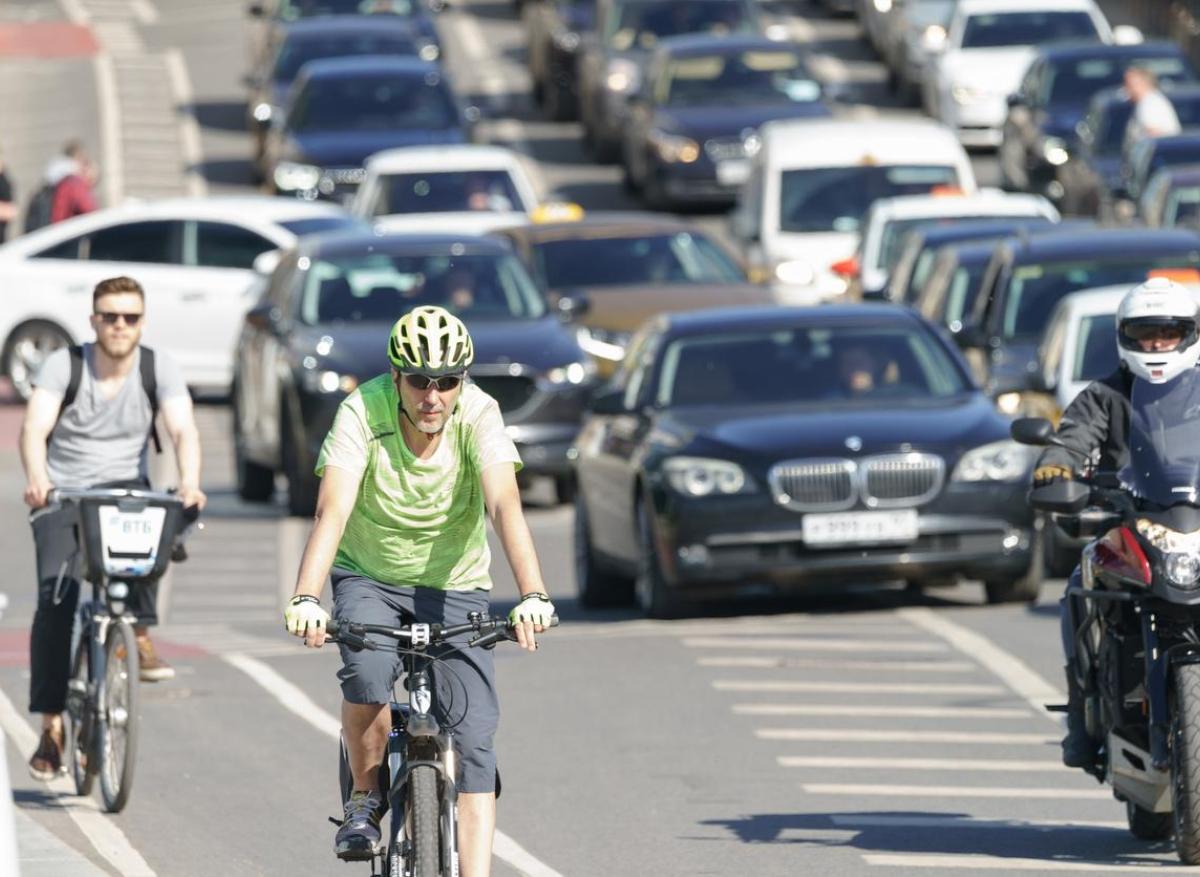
[[98, 440]]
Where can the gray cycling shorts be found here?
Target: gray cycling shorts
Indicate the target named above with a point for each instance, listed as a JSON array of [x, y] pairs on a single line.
[[465, 700]]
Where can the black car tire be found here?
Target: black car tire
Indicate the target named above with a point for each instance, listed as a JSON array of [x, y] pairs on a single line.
[[653, 595], [1026, 587], [565, 488], [1147, 825], [255, 483], [598, 587], [302, 485]]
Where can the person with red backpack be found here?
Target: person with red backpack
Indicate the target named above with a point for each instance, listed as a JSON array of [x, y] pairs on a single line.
[[88, 423]]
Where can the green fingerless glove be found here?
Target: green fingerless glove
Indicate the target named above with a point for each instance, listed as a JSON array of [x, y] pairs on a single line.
[[535, 607]]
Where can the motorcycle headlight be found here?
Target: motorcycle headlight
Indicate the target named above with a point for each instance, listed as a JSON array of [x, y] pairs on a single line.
[[672, 148], [998, 461], [293, 177], [603, 343], [326, 381], [795, 272], [1167, 540], [572, 373], [1183, 569], [699, 476], [1054, 150], [622, 76]]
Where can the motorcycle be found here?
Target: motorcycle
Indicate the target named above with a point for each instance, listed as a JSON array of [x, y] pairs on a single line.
[[1138, 614]]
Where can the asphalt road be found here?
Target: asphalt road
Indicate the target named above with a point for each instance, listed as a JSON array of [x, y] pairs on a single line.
[[867, 731]]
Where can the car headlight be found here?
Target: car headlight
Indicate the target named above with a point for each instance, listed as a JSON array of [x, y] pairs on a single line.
[[293, 177], [933, 38], [1054, 150], [699, 476], [566, 40], [326, 381], [603, 343], [999, 461], [429, 52], [965, 94], [572, 373], [622, 76], [672, 148], [795, 272], [262, 112], [752, 145]]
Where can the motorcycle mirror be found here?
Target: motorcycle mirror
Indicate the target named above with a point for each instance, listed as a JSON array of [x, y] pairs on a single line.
[[1060, 497], [1032, 431]]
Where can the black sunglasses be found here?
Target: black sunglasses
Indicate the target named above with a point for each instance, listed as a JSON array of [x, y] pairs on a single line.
[[109, 318], [424, 382]]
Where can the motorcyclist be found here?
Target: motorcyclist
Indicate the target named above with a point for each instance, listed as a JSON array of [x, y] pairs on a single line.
[[1157, 332]]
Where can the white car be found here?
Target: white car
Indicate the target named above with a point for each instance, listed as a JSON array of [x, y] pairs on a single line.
[[988, 46], [811, 183], [890, 219], [468, 188], [193, 256]]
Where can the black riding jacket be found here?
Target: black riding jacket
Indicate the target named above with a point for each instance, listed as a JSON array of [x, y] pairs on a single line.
[[1096, 422]]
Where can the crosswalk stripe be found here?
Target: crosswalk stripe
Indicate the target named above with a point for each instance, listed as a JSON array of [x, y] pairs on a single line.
[[858, 735], [940, 792], [979, 861], [814, 644], [905, 712], [891, 763], [856, 687]]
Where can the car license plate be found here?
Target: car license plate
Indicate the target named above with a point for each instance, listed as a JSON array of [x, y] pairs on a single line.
[[860, 528], [732, 173]]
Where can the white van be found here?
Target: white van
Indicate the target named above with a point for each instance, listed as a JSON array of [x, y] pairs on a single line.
[[811, 183]]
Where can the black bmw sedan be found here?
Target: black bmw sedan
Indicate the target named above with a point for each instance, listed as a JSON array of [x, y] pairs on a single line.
[[322, 327], [740, 449]]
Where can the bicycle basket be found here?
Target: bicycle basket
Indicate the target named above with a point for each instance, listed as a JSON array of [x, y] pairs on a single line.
[[129, 538]]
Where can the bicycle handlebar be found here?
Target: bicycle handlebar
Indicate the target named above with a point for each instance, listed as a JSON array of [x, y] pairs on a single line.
[[492, 630]]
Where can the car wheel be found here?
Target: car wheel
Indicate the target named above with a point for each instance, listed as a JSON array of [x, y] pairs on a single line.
[[565, 488], [255, 483], [1026, 587], [597, 586], [302, 483], [27, 348], [559, 105], [650, 587]]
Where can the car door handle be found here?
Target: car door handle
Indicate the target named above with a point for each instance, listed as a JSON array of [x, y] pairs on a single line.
[[195, 295]]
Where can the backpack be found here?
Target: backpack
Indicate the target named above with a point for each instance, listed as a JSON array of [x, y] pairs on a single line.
[[41, 206], [149, 386]]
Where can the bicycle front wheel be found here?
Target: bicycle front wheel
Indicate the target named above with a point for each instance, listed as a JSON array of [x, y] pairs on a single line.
[[80, 720], [423, 810], [118, 726]]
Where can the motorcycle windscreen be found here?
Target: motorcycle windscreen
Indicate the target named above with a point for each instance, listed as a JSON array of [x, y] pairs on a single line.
[[1164, 440]]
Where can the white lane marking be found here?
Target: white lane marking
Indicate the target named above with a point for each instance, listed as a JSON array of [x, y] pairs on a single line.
[[295, 700], [109, 841], [823, 664], [189, 128], [144, 11], [1010, 669], [896, 791], [891, 712], [857, 687], [956, 764], [978, 861], [110, 129], [814, 644], [860, 735], [885, 821]]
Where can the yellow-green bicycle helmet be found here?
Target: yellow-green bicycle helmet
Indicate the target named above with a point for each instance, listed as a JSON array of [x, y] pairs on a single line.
[[430, 341]]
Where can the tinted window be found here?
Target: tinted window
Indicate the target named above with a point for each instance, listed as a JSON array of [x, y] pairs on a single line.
[[1026, 28], [818, 366], [963, 291], [643, 24], [66, 250], [301, 227], [221, 245], [446, 192], [682, 257], [748, 78], [374, 103], [137, 242], [296, 53], [835, 198], [1096, 354], [379, 288], [290, 10], [891, 243], [1034, 290], [1074, 82], [1183, 207]]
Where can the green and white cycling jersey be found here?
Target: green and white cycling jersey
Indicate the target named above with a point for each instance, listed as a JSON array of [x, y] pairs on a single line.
[[417, 522]]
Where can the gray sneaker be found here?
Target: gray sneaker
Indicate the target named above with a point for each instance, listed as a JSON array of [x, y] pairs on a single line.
[[359, 838]]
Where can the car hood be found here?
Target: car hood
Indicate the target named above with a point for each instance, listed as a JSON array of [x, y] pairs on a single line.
[[351, 148], [702, 123], [624, 308], [358, 348], [995, 71], [1060, 121], [768, 434], [467, 222]]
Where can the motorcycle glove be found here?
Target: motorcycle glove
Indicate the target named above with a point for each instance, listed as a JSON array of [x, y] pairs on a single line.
[[304, 613], [1050, 473], [535, 607]]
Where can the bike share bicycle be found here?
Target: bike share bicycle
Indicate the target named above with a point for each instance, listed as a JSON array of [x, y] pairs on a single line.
[[127, 538], [417, 776]]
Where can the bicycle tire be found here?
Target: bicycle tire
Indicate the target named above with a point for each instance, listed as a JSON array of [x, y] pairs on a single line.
[[118, 726], [79, 723], [425, 842]]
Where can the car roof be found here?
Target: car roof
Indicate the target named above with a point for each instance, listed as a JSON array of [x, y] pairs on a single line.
[[985, 200], [1181, 174], [355, 242], [736, 319], [1067, 242], [1074, 50], [933, 236], [1095, 300], [709, 44], [602, 225], [307, 28], [453, 157], [799, 143], [980, 7], [368, 65], [972, 252]]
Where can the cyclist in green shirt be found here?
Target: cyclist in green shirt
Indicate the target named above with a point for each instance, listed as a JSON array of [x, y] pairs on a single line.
[[415, 460]]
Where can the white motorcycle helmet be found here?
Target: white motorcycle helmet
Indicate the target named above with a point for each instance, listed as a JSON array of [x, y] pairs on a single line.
[[1158, 304]]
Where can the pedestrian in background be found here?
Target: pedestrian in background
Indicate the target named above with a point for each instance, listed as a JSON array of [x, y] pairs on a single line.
[[8, 207], [68, 163], [1153, 113], [74, 193]]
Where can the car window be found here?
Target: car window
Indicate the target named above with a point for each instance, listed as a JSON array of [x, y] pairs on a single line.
[[1074, 82], [159, 241], [894, 232], [374, 103], [817, 366], [753, 77], [295, 53], [223, 245], [448, 191], [679, 257], [68, 249], [835, 198], [642, 23], [1183, 207], [291, 10], [1026, 28], [1096, 351]]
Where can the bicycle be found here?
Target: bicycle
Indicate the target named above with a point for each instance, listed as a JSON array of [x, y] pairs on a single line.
[[127, 537], [418, 771]]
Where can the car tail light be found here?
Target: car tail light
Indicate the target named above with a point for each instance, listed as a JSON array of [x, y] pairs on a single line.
[[846, 267], [1120, 554]]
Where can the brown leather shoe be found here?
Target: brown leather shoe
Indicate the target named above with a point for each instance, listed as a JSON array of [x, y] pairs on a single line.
[[152, 668], [47, 761]]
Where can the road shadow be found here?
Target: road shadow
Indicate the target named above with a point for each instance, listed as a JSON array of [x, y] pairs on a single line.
[[227, 115], [227, 172]]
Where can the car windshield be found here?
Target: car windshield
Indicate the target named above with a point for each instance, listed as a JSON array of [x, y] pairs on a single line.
[[291, 10], [294, 54], [379, 288], [317, 224], [1106, 125], [894, 235], [1034, 290], [757, 77], [1096, 351], [1072, 83], [1026, 28], [677, 257], [1183, 207], [374, 103], [447, 192], [835, 198], [642, 23], [867, 365], [962, 291]]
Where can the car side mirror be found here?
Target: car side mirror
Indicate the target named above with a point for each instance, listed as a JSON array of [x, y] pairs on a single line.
[[608, 402], [572, 306], [264, 317], [1032, 431]]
